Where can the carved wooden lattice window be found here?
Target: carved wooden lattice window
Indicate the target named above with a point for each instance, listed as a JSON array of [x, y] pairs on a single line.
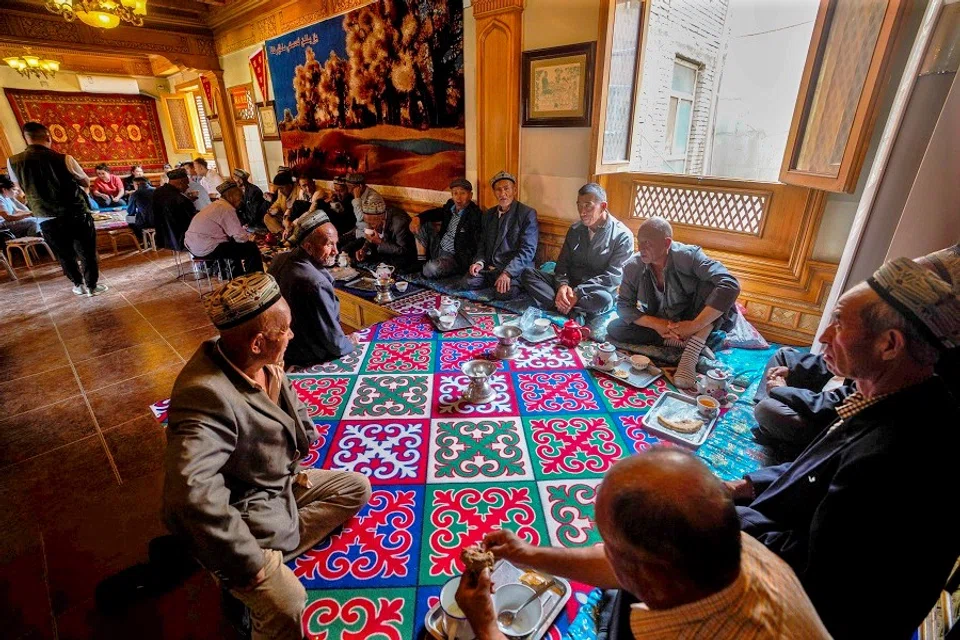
[[735, 210]]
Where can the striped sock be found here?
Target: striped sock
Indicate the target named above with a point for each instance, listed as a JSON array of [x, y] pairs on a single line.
[[686, 376], [672, 342]]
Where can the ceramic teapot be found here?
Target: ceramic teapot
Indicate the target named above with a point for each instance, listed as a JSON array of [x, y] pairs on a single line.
[[572, 333], [714, 384], [343, 260], [383, 271]]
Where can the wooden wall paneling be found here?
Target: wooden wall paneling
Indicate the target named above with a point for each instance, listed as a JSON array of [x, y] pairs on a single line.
[[499, 45], [228, 124]]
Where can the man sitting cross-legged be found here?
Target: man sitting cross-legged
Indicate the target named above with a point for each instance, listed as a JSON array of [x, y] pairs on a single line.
[[673, 294], [508, 241], [318, 336], [845, 513], [670, 538], [233, 489], [448, 235], [590, 266]]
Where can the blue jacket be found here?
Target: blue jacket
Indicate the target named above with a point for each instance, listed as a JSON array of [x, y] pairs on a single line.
[[509, 243], [862, 514], [140, 206]]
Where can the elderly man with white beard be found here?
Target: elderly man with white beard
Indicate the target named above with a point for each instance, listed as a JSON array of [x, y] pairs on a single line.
[[308, 286]]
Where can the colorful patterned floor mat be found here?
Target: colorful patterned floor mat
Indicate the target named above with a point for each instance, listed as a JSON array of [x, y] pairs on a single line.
[[445, 472]]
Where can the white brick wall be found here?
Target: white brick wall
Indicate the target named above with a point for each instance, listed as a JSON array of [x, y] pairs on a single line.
[[694, 30]]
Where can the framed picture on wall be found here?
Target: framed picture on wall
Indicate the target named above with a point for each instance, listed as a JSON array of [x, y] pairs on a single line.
[[558, 85], [216, 133], [244, 106], [269, 130]]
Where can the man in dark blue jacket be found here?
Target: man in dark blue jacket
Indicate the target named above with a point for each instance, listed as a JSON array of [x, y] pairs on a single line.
[[508, 241], [859, 515], [796, 400], [140, 205]]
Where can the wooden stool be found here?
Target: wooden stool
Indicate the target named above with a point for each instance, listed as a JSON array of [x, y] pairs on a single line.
[[6, 265], [149, 239], [28, 247], [122, 233]]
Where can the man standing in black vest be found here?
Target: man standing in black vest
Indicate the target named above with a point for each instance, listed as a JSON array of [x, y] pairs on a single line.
[[52, 183]]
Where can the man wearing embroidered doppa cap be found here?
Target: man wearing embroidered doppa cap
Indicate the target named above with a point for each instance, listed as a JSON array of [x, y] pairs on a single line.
[[234, 490]]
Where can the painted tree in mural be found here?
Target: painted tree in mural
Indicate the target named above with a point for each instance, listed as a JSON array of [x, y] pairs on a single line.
[[404, 66]]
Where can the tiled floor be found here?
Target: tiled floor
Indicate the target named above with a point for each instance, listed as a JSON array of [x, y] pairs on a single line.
[[80, 453]]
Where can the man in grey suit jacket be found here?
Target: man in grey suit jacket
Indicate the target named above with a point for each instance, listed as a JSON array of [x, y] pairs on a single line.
[[234, 490], [508, 241]]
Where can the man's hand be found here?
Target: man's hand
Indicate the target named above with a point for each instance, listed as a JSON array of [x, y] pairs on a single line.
[[353, 338], [566, 299], [741, 490], [474, 270], [360, 255], [683, 329], [503, 283], [357, 191], [375, 238], [473, 596], [505, 544], [775, 381], [660, 325]]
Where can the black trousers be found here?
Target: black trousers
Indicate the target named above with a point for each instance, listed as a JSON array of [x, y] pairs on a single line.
[[73, 238], [245, 256]]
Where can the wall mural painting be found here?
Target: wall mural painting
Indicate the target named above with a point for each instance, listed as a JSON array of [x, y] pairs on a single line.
[[378, 90], [116, 129]]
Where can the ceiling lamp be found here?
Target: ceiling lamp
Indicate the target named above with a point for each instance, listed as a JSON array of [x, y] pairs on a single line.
[[30, 65], [103, 14]]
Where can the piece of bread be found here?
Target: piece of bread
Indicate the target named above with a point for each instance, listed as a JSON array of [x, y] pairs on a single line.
[[681, 425], [475, 559]]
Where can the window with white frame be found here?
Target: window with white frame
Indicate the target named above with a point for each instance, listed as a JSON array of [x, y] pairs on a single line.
[[683, 89]]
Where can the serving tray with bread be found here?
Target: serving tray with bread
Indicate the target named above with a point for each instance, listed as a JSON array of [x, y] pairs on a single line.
[[676, 417]]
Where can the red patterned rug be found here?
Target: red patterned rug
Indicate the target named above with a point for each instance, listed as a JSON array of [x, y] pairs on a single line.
[[119, 130]]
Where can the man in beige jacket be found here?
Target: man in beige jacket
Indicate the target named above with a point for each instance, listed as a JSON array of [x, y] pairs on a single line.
[[234, 490]]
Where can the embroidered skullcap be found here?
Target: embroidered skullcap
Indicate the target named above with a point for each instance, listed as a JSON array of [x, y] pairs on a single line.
[[463, 183], [226, 185], [503, 175], [304, 225], [924, 298], [354, 178], [242, 299], [176, 174], [283, 169], [945, 263], [339, 180], [372, 203], [240, 173]]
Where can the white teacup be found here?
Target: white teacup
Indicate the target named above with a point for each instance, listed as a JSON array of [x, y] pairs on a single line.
[[707, 406], [454, 620], [402, 286], [540, 325], [446, 321], [639, 362]]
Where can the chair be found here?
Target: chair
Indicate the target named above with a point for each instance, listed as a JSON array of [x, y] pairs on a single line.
[[28, 248], [6, 265], [204, 269], [149, 239], [122, 233]]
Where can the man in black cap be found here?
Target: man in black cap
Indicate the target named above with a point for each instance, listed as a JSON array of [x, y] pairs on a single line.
[[338, 205], [140, 205], [52, 183], [508, 241], [172, 210], [216, 233], [253, 206], [448, 235], [283, 182], [306, 283], [845, 513]]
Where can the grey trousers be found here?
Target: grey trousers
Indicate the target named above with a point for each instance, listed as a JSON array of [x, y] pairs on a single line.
[[22, 228], [542, 287], [437, 266]]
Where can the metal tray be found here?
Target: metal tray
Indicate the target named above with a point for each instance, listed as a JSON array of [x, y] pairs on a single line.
[[362, 283], [504, 572], [677, 405], [536, 338], [462, 322], [639, 380]]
